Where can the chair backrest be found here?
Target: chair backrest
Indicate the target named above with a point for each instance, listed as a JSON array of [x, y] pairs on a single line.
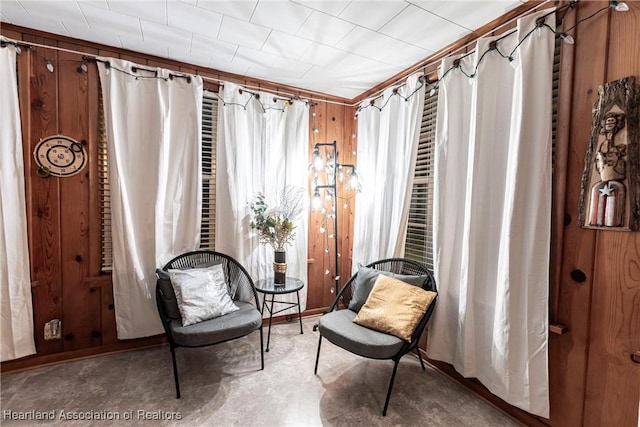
[[239, 283], [402, 266]]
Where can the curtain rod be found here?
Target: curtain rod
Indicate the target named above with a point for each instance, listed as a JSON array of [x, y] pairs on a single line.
[[211, 79], [430, 62], [421, 65]]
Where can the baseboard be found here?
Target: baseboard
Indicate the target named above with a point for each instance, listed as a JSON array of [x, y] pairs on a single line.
[[37, 361], [481, 391]]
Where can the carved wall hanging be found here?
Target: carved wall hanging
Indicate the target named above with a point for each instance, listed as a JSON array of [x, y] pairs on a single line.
[[610, 196]]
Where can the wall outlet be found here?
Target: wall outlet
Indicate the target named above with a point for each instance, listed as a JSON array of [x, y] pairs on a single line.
[[53, 330]]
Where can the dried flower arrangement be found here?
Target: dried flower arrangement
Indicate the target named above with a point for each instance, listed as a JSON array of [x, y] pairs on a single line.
[[275, 226]]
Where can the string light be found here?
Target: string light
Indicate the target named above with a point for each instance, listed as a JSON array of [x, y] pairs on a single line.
[[618, 6], [394, 92], [325, 159], [567, 38], [49, 66]]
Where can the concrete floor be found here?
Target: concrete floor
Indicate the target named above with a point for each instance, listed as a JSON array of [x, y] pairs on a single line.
[[223, 386]]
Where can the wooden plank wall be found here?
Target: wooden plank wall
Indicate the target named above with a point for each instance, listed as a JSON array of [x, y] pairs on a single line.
[[593, 381], [334, 123], [612, 388], [64, 213], [592, 378]]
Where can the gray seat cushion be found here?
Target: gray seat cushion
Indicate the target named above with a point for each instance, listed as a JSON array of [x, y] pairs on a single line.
[[233, 325], [338, 327]]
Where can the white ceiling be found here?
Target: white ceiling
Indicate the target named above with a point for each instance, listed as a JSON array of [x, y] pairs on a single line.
[[337, 47]]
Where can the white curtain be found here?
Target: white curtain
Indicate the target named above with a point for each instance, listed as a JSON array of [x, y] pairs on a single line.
[[492, 209], [16, 315], [154, 150], [388, 133], [263, 146]]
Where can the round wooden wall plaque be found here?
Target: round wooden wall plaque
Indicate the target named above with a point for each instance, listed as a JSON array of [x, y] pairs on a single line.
[[59, 156]]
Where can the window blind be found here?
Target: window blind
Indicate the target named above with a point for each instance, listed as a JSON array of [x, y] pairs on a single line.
[[419, 243], [209, 134], [209, 138], [106, 261], [555, 87]]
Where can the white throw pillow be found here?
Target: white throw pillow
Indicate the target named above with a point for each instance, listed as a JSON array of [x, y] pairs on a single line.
[[201, 294]]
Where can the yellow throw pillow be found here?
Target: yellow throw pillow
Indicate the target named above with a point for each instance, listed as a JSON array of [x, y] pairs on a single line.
[[394, 307]]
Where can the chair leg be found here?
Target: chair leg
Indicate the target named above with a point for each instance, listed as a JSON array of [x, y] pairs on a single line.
[[420, 359], [393, 377], [261, 350], [175, 371], [315, 370]]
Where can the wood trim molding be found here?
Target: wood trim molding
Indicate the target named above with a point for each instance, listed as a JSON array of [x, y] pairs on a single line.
[[31, 362], [480, 390]]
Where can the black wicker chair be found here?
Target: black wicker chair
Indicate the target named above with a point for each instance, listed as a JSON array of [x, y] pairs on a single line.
[[214, 331], [337, 324]]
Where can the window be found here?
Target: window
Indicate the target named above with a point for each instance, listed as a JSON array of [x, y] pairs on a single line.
[[209, 135], [106, 245], [419, 243]]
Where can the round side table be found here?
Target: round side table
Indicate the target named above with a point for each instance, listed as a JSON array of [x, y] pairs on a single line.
[[268, 287]]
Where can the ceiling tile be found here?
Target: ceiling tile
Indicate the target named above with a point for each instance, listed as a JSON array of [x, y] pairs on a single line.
[[150, 10], [284, 76], [80, 30], [242, 9], [322, 55], [458, 11], [317, 73], [13, 12], [195, 58], [372, 14], [222, 51], [194, 19], [290, 67], [43, 24], [97, 3], [243, 33], [358, 65], [285, 45], [101, 19], [327, 81], [229, 67], [163, 35], [252, 57], [280, 15], [339, 47], [330, 7], [380, 47], [424, 29], [137, 45], [52, 10], [324, 29]]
